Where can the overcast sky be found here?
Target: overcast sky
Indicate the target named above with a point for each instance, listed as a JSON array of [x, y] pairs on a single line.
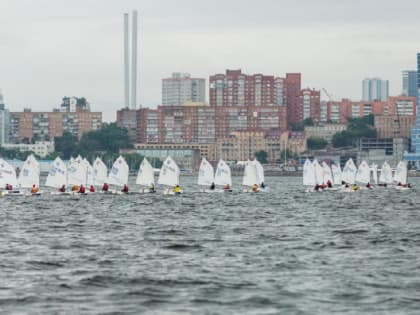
[[55, 48]]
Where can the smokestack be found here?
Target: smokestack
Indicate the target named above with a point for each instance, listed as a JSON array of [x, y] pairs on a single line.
[[126, 64], [134, 62]]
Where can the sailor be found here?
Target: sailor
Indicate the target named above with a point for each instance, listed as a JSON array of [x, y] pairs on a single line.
[[75, 188], [152, 188], [317, 187], [92, 189], [82, 189], [227, 187], [255, 188], [34, 189], [9, 187], [355, 187], [105, 187], [125, 189], [62, 189], [329, 184], [399, 184], [177, 189], [212, 186], [262, 185], [369, 186]]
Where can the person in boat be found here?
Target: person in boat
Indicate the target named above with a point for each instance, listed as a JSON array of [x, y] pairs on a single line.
[[346, 185], [9, 187], [354, 187], [82, 189], [34, 189], [262, 185], [177, 189], [62, 189], [125, 189], [227, 188], [255, 188], [329, 184], [152, 188], [317, 187], [369, 186], [212, 186], [399, 184], [323, 186], [92, 189], [75, 188], [105, 187]]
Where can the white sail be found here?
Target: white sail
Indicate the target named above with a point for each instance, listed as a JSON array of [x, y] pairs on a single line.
[[205, 173], [309, 178], [374, 173], [35, 163], [386, 174], [400, 175], [327, 173], [57, 175], [319, 172], [250, 174], [336, 172], [76, 172], [260, 172], [169, 173], [363, 173], [29, 174], [89, 173], [100, 172], [222, 176], [118, 175], [349, 172], [146, 175], [7, 174]]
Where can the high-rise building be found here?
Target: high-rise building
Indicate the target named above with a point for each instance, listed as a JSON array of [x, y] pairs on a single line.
[[409, 83], [181, 89], [4, 122], [293, 87], [235, 88], [310, 102], [375, 89]]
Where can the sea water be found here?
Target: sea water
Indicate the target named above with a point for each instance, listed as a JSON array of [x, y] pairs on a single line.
[[282, 251]]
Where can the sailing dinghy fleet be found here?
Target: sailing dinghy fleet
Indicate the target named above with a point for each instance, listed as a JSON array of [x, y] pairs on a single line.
[[320, 177], [78, 176]]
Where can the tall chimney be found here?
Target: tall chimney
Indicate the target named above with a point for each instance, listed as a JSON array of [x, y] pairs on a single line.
[[126, 64], [134, 62]]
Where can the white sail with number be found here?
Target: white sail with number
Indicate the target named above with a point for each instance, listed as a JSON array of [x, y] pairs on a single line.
[[319, 172], [400, 175], [118, 175], [336, 172], [250, 174], [205, 173], [29, 174], [76, 172], [386, 174], [363, 173], [349, 172], [100, 172], [57, 176], [260, 172], [327, 173], [169, 173], [7, 174], [223, 175], [146, 175], [309, 178]]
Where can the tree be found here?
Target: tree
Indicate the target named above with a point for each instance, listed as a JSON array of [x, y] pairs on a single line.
[[66, 145], [297, 126], [308, 122], [357, 128], [315, 143], [261, 156]]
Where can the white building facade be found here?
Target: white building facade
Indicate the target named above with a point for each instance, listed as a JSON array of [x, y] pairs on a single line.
[[181, 89]]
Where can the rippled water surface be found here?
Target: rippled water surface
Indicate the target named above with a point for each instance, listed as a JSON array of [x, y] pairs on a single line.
[[282, 251]]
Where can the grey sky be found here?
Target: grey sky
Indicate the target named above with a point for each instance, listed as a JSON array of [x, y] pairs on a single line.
[[55, 48]]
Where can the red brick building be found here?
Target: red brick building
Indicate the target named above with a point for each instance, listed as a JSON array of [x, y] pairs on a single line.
[[293, 88], [309, 105]]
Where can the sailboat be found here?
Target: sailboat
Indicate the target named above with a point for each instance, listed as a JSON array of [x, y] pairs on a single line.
[[260, 174], [146, 177], [29, 174], [205, 175], [57, 176], [374, 173], [100, 172], [319, 172], [250, 178], [385, 178], [8, 177], [327, 174], [309, 178], [223, 176], [349, 172], [363, 174], [118, 176], [336, 172], [400, 175], [169, 176], [89, 173], [77, 173]]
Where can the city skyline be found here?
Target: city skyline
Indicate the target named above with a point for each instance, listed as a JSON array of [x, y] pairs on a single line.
[[53, 49]]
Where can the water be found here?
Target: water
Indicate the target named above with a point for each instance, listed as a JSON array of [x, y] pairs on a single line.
[[283, 251]]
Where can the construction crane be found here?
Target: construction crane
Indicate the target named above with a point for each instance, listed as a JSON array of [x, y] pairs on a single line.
[[328, 95]]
